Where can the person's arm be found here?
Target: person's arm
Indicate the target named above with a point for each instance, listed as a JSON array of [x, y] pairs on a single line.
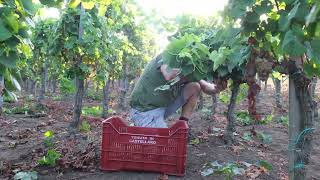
[[210, 88], [168, 75]]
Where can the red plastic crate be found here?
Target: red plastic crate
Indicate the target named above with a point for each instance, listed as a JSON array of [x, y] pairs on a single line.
[[144, 149]]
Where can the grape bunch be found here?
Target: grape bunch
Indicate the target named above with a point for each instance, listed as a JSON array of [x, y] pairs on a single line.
[[264, 68]]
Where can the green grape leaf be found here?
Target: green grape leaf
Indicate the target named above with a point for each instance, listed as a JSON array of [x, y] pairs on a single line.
[[219, 57], [315, 45], [51, 3], [311, 69], [222, 71], [240, 7], [12, 42], [4, 32], [288, 1], [285, 20], [252, 17], [293, 11], [284, 23], [11, 83], [311, 17], [302, 12], [13, 21], [10, 60], [265, 7], [11, 95], [291, 45], [185, 52], [28, 6], [186, 70]]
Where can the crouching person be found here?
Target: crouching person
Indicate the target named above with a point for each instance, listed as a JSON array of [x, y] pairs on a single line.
[[150, 107]]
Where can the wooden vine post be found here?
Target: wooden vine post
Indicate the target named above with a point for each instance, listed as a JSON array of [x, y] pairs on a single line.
[[301, 116], [79, 79]]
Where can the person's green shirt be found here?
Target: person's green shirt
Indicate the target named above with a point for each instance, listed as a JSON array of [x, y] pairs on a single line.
[[144, 97]]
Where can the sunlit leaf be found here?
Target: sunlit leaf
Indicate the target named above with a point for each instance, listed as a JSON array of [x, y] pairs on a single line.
[[276, 75], [88, 5], [74, 3], [48, 134]]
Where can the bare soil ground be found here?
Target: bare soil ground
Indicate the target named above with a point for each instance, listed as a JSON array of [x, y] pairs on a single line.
[[21, 144]]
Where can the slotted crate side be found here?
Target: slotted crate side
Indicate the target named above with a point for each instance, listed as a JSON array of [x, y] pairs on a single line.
[[168, 155]]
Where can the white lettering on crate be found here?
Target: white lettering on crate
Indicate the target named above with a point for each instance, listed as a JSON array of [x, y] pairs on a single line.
[[142, 140]]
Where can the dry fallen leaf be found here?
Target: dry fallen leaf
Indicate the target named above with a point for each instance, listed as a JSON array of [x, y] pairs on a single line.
[[283, 176], [253, 172], [262, 154], [236, 149]]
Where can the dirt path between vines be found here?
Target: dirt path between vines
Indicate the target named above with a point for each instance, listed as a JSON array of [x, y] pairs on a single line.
[[21, 145]]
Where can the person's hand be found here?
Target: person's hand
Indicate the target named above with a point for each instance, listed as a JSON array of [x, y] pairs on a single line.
[[206, 87], [210, 88]]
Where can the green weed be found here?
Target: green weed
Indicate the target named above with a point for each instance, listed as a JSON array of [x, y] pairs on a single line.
[[50, 159], [284, 120], [264, 138], [67, 86], [95, 111], [52, 155], [92, 94], [29, 98], [17, 110], [48, 141], [57, 98], [244, 118], [111, 111], [228, 170], [85, 126], [266, 119], [247, 136]]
